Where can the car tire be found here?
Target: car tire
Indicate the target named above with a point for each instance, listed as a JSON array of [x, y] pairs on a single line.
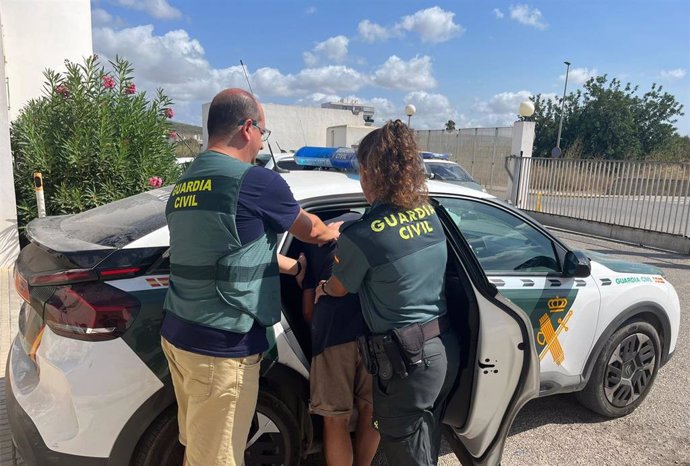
[[624, 371], [160, 445], [273, 437]]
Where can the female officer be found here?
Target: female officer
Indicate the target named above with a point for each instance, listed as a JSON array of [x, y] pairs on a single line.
[[395, 257]]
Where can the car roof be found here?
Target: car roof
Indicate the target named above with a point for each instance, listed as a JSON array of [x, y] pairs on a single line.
[[306, 185]]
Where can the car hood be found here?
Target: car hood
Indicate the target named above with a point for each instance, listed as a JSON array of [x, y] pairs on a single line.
[[621, 266]]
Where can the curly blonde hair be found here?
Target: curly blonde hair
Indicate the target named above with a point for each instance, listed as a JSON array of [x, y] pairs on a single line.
[[394, 168]]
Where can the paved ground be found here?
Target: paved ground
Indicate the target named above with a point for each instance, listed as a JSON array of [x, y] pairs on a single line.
[[549, 431]]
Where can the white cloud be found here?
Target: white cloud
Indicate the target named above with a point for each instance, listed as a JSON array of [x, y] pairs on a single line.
[[372, 32], [433, 110], [310, 11], [100, 17], [499, 110], [580, 75], [678, 73], [414, 74], [332, 49], [177, 63], [433, 25], [160, 9], [499, 14], [530, 17]]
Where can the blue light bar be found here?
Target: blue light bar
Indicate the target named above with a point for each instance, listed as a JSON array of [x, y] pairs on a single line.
[[341, 158], [434, 156]]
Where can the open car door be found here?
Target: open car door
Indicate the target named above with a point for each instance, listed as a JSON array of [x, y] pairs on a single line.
[[499, 369]]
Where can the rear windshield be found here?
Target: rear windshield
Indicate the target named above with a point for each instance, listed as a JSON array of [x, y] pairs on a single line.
[[121, 222]]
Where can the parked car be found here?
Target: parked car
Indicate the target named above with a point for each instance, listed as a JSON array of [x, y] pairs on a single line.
[[444, 170], [87, 382]]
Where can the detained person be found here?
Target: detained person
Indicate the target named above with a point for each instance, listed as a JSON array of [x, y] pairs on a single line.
[[339, 381]]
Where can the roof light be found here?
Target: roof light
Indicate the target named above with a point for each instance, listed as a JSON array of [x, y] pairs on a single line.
[[433, 156], [341, 158]]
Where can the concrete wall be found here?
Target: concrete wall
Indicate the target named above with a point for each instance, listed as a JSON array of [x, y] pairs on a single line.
[[40, 34], [637, 236], [293, 127], [346, 136]]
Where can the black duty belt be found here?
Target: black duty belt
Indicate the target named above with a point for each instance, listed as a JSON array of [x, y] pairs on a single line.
[[435, 327], [401, 350]]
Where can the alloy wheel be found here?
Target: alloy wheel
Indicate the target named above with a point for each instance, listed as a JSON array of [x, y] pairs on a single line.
[[629, 370]]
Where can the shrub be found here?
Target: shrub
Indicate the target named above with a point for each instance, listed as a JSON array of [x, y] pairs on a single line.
[[94, 138]]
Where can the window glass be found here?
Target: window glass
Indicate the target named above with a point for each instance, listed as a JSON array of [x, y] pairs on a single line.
[[448, 172], [503, 243]]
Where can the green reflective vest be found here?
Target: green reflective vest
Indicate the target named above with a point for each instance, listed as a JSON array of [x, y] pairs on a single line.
[[214, 280]]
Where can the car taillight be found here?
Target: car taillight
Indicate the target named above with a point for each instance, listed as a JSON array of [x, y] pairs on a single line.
[[82, 275], [22, 286], [90, 311]]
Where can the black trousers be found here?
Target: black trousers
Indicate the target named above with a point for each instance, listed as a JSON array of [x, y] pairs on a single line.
[[407, 412]]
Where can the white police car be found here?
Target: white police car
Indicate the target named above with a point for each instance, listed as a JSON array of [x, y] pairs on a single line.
[[87, 383]]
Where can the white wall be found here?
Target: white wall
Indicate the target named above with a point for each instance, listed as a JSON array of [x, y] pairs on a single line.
[[293, 127], [40, 34], [9, 241], [347, 136], [36, 34]]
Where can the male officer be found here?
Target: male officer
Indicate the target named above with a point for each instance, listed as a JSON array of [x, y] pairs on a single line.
[[224, 216]]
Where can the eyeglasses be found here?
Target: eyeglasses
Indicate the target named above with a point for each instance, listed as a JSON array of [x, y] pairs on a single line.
[[265, 133]]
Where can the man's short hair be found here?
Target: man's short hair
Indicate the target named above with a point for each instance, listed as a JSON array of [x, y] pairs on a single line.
[[227, 109]]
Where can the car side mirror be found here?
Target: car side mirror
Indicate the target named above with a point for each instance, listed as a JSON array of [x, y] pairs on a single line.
[[576, 265]]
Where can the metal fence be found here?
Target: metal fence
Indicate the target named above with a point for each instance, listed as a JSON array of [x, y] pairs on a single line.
[[481, 151], [652, 196]]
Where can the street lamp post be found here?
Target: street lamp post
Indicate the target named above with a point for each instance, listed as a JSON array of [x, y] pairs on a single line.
[[560, 124], [409, 111]]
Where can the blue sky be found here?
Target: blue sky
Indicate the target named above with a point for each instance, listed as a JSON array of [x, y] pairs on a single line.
[[472, 62]]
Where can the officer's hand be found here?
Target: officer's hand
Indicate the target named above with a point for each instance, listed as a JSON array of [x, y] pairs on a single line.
[[334, 227], [302, 259], [319, 291]]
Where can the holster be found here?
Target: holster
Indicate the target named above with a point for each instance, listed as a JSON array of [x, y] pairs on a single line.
[[367, 359]]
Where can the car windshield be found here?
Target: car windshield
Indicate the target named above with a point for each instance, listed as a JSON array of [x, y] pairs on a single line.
[[448, 172]]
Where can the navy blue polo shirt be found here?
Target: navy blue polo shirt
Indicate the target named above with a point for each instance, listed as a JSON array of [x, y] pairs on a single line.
[[335, 320], [265, 202]]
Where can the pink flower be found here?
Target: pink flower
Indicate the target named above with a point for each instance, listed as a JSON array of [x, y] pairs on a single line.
[[155, 181], [173, 135], [131, 88], [107, 81], [62, 90], [169, 113]]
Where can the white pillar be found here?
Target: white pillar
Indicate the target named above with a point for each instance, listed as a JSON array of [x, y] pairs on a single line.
[[9, 238], [523, 141]]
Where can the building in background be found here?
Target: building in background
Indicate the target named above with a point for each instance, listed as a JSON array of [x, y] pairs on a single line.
[[355, 107], [36, 34], [293, 127]]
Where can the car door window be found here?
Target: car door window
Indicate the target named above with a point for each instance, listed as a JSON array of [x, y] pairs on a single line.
[[503, 243]]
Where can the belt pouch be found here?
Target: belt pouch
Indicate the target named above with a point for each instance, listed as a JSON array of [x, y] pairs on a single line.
[[411, 341], [383, 363]]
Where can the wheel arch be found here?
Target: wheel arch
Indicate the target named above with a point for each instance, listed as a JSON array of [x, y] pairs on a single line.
[[128, 440], [646, 311], [293, 390]]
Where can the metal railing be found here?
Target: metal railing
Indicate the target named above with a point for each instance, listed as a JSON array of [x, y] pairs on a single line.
[[652, 196], [481, 151]]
